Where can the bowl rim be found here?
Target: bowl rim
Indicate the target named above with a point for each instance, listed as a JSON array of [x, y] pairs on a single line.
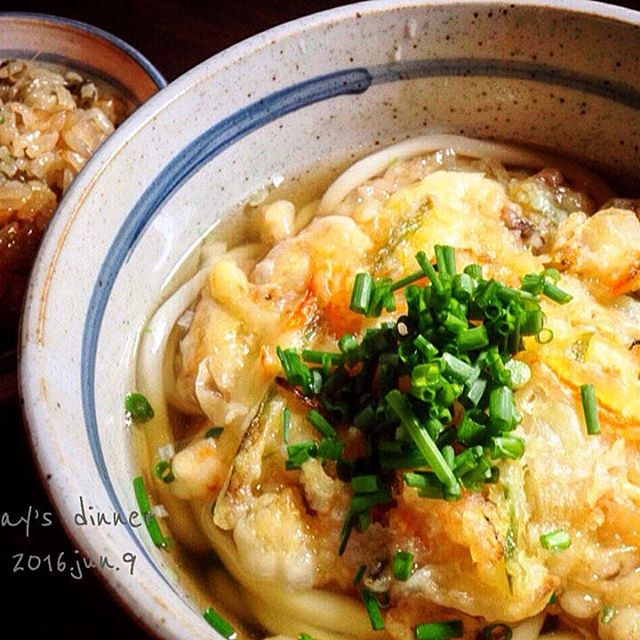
[[140, 607], [143, 62]]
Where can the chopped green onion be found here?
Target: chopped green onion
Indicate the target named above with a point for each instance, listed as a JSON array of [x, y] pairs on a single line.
[[555, 293], [555, 541], [545, 336], [138, 407], [423, 441], [295, 371], [473, 270], [330, 449], [365, 484], [214, 432], [607, 614], [429, 271], [364, 501], [440, 630], [319, 357], [407, 280], [219, 624], [590, 408], [458, 369], [445, 259], [402, 565], [501, 409], [357, 579], [299, 453], [373, 609], [321, 424], [305, 636], [506, 447], [286, 424], [163, 471], [361, 294], [144, 505], [499, 631], [471, 339]]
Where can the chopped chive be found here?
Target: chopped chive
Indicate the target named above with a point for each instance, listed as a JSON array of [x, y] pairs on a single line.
[[590, 409], [407, 280], [506, 447], [219, 624], [286, 424], [138, 406], [470, 339], [473, 270], [499, 631], [440, 630], [476, 390], [142, 498], [520, 373], [321, 424], [429, 271], [330, 449], [555, 541], [319, 357], [553, 598], [361, 294], [555, 293], [357, 579], [402, 565], [501, 409], [373, 609], [445, 259], [607, 614], [458, 369], [364, 501], [163, 471], [305, 636], [299, 453], [545, 336], [365, 484], [214, 432], [423, 441]]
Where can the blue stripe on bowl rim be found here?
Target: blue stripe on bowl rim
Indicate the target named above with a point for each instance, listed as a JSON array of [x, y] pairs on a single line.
[[247, 120], [155, 75]]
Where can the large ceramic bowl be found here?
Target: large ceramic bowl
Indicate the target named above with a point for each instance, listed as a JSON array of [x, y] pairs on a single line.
[[327, 88]]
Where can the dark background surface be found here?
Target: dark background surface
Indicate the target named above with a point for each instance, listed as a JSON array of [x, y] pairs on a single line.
[[174, 35]]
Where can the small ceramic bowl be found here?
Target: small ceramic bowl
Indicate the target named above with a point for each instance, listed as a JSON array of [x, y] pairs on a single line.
[[328, 88], [95, 54]]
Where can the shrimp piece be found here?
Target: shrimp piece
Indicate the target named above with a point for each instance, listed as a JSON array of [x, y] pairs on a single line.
[[198, 470], [603, 249]]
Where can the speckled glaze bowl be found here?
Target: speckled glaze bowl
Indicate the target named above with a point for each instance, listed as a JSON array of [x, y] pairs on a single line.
[[562, 75], [94, 53]]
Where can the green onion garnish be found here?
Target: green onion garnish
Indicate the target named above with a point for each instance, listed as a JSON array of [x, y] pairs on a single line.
[[365, 484], [357, 578], [286, 424], [214, 432], [402, 565], [321, 424], [423, 441], [163, 472], [555, 293], [144, 505], [139, 408], [299, 453], [373, 609], [499, 631], [590, 408], [555, 541], [440, 630], [361, 294], [219, 624]]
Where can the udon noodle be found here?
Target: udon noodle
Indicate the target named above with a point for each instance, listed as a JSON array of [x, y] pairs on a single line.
[[212, 357]]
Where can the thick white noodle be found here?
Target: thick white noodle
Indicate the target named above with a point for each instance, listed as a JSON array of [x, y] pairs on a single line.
[[529, 629], [335, 614], [508, 154], [150, 377]]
